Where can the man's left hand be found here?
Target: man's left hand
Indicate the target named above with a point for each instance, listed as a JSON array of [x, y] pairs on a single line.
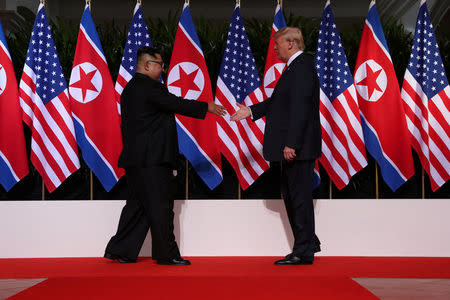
[[289, 153]]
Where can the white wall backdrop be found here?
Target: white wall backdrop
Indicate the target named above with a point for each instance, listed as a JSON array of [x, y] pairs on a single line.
[[232, 228]]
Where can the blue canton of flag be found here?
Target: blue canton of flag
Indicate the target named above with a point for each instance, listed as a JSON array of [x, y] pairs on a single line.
[[138, 37], [238, 70], [44, 61], [331, 63], [342, 137]]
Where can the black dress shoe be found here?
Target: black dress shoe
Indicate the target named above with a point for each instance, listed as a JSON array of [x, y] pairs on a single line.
[[121, 259], [178, 261], [294, 260]]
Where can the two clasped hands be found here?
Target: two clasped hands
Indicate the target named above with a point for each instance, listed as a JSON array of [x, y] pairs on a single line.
[[243, 113]]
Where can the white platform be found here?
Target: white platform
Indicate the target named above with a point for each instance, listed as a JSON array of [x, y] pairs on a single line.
[[232, 228]]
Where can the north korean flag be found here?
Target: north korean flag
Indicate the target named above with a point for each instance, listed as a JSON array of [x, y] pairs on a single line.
[[188, 78], [94, 110], [382, 114], [13, 156]]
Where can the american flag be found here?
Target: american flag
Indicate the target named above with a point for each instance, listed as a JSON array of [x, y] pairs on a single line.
[[343, 153], [426, 96], [45, 107], [138, 37], [238, 77]]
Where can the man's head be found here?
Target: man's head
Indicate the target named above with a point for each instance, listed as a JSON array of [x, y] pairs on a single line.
[[288, 40], [149, 62]]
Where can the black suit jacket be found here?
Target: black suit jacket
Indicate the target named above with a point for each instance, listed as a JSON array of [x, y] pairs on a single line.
[[148, 126], [292, 113]]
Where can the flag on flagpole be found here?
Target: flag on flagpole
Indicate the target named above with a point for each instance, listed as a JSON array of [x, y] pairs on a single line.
[[343, 153], [94, 109], [46, 108], [188, 78], [13, 155], [382, 115], [241, 142], [426, 100], [138, 37]]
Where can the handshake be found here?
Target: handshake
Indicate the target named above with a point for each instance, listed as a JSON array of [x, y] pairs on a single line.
[[219, 110]]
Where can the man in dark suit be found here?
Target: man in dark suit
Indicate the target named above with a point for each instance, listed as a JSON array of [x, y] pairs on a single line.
[[293, 137], [150, 146]]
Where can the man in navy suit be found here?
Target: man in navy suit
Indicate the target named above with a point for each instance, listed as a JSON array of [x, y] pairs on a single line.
[[292, 136]]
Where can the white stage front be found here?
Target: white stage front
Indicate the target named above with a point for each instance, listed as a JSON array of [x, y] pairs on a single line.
[[406, 227]]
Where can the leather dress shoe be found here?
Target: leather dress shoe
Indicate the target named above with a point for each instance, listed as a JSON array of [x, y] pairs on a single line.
[[121, 259], [295, 260], [177, 261]]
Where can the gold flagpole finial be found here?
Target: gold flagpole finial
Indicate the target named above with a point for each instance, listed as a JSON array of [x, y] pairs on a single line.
[[88, 2], [280, 3], [139, 2], [238, 3], [187, 2], [42, 2]]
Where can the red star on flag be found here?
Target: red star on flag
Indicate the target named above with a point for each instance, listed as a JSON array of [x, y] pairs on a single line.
[[186, 82], [371, 80], [85, 82], [274, 82]]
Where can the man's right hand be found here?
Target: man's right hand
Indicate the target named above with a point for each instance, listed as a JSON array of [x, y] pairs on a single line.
[[218, 110], [243, 113]]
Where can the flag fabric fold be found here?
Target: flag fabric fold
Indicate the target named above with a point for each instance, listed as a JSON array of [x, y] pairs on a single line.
[[382, 115], [94, 109], [13, 155], [343, 152], [46, 109], [138, 37], [426, 100], [188, 78], [238, 82]]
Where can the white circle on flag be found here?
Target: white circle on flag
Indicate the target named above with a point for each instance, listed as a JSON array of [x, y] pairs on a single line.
[[85, 82], [370, 80], [271, 76], [2, 79], [188, 87]]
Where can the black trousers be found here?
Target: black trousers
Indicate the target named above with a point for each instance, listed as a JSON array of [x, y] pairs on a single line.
[[296, 187], [149, 205]]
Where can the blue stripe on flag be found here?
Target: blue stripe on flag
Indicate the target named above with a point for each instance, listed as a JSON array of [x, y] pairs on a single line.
[[201, 165], [374, 20], [3, 38], [279, 20], [93, 159], [186, 21], [316, 179], [6, 177], [390, 175], [89, 26]]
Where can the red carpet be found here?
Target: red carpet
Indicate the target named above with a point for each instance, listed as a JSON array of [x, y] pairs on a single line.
[[213, 277]]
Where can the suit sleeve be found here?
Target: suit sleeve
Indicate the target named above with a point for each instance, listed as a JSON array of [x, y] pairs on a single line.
[[259, 110], [170, 103], [301, 104]]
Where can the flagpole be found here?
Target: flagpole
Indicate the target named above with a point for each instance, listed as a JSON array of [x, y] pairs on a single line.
[[376, 182], [187, 2], [43, 185], [42, 2], [239, 191], [187, 178], [88, 2], [280, 3], [139, 2], [331, 189], [238, 3], [423, 183]]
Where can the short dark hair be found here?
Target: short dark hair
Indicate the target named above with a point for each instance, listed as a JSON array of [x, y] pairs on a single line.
[[147, 50]]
